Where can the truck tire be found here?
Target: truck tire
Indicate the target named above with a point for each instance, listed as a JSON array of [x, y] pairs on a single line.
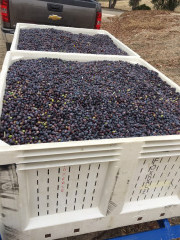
[[8, 46]]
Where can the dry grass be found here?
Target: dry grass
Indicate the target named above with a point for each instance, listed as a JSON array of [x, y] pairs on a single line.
[[132, 25], [154, 35]]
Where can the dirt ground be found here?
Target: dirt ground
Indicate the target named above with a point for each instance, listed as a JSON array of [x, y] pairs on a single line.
[[154, 35]]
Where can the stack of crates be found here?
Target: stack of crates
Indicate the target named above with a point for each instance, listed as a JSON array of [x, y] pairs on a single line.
[[56, 190]]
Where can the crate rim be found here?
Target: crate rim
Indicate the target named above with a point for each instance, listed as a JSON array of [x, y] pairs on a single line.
[[71, 30], [12, 56]]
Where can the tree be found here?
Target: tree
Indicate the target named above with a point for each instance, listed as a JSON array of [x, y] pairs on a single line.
[[134, 3], [112, 3], [165, 4]]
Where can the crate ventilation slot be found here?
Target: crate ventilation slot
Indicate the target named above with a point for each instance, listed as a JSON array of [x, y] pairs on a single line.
[[155, 178], [109, 151], [64, 189], [161, 148]]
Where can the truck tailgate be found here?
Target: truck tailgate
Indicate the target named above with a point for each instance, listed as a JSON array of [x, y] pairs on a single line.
[[73, 13]]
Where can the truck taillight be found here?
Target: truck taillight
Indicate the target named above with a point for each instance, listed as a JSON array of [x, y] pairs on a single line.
[[98, 20], [4, 9]]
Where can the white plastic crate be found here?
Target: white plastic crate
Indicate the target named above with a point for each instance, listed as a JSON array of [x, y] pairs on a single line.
[[91, 32], [55, 190]]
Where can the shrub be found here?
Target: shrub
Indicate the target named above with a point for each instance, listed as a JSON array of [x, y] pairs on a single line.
[[134, 3], [142, 7], [165, 4]]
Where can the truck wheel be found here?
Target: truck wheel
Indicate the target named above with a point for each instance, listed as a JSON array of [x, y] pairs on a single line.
[[8, 46]]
